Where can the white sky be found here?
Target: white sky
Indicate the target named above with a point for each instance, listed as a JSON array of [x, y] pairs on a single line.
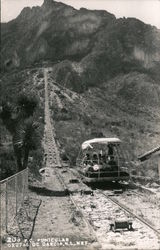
[[146, 10]]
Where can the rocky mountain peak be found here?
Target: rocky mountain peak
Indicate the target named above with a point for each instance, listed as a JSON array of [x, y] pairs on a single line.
[[25, 12], [48, 3], [52, 4], [102, 45]]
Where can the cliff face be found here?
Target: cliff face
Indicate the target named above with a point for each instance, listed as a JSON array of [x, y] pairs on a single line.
[[95, 41], [51, 32]]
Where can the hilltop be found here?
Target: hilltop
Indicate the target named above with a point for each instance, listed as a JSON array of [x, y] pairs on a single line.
[[100, 45]]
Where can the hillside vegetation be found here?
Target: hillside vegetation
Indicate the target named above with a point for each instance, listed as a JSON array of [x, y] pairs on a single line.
[[132, 115], [11, 87]]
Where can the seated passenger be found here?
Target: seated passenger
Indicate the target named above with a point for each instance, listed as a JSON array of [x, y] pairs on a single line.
[[87, 159], [88, 168], [113, 164], [104, 159], [110, 151], [87, 163], [100, 159], [95, 158]]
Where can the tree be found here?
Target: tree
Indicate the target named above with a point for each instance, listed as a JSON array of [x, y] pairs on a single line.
[[19, 121]]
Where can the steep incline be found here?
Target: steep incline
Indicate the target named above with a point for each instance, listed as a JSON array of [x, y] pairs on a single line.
[[57, 216]]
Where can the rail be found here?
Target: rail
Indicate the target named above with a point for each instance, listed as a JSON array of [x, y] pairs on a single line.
[[13, 192], [144, 179], [52, 143], [122, 206]]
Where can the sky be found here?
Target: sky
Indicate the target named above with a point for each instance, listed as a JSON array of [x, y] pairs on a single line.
[[146, 10]]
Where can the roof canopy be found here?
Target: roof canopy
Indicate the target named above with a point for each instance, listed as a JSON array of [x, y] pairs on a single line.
[[106, 141]]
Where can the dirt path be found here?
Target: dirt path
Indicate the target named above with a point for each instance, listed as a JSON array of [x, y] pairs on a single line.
[[57, 218]]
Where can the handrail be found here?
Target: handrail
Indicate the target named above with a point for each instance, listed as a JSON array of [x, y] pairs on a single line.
[[103, 172], [12, 176], [13, 192], [146, 155]]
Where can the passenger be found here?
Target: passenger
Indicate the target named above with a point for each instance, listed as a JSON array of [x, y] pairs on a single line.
[[113, 164], [87, 159], [110, 151], [95, 158], [88, 168], [100, 159], [104, 159]]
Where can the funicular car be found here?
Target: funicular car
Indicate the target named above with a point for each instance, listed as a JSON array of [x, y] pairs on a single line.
[[102, 159]]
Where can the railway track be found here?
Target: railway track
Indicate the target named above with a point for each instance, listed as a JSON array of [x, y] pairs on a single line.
[[107, 206], [102, 211], [53, 161], [126, 209]]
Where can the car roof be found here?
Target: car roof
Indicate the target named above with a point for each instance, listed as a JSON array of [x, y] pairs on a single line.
[[106, 141]]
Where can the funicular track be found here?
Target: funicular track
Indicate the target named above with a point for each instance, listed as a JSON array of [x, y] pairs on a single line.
[[54, 163], [102, 211], [52, 152], [126, 209], [134, 191]]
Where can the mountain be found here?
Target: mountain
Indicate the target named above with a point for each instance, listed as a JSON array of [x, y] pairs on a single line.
[[100, 45], [111, 66], [53, 32]]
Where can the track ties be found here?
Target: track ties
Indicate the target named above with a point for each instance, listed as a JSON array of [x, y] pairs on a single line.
[[130, 212]]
